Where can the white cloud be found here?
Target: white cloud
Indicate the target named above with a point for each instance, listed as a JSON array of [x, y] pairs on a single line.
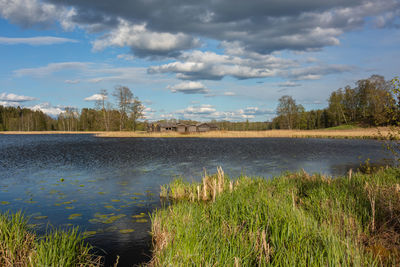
[[128, 57], [189, 88], [72, 81], [197, 65], [145, 42], [207, 112], [95, 97], [289, 84], [28, 13], [51, 68], [10, 103], [15, 98], [40, 40], [229, 93], [48, 109]]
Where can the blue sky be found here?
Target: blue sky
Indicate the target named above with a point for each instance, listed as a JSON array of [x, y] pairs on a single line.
[[200, 60]]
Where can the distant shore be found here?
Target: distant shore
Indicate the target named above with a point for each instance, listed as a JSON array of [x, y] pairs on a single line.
[[358, 133]]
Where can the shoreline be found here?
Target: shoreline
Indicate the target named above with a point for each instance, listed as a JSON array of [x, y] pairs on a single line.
[[359, 133]]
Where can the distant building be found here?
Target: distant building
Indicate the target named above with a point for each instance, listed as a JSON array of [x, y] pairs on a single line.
[[181, 127]]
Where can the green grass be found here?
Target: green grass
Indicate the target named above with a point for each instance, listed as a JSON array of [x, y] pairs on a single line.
[[19, 246], [292, 220], [343, 127]]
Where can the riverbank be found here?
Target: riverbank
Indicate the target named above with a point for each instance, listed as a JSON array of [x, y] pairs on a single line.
[[20, 246], [352, 133], [296, 219]]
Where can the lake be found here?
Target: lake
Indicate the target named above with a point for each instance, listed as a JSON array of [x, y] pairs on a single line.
[[108, 186]]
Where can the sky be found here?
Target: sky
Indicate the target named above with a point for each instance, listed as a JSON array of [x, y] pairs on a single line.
[[190, 59]]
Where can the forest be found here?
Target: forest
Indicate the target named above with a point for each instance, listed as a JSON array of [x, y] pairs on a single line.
[[369, 103]]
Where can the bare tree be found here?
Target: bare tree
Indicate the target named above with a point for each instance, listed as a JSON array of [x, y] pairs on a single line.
[[101, 104], [125, 99]]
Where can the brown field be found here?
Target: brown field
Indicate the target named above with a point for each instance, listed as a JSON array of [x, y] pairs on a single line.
[[359, 133]]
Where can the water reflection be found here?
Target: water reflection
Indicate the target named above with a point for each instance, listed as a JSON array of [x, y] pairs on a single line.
[[109, 186]]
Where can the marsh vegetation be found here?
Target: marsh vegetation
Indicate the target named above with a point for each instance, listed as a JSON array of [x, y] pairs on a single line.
[[296, 219]]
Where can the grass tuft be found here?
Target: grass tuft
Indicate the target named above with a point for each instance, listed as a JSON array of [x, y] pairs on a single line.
[[21, 247]]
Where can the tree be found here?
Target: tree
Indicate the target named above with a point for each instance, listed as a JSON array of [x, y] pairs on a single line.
[[102, 105], [288, 110], [125, 99], [136, 109]]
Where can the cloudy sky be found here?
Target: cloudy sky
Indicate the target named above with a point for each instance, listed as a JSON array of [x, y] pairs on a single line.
[[191, 59]]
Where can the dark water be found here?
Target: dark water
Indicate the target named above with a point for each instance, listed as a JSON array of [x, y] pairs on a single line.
[[108, 186]]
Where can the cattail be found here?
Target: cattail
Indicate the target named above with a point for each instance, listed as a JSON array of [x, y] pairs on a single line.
[[350, 173], [214, 190], [198, 193], [231, 186]]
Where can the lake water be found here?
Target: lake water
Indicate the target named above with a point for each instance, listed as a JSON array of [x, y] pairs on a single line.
[[108, 186]]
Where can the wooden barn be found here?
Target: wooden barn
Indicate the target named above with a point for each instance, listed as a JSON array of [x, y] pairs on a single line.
[[181, 127]]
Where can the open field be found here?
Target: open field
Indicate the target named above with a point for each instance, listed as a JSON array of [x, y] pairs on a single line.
[[296, 219], [355, 133]]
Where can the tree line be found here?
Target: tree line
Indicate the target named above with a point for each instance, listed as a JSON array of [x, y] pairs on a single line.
[[123, 114], [369, 103]]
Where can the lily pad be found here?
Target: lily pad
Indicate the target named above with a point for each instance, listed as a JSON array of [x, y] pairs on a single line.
[[141, 221], [89, 233], [115, 200], [74, 216], [40, 217], [4, 203], [126, 231], [70, 207]]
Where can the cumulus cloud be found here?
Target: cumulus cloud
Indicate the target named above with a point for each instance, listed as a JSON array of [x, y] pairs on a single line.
[[40, 40], [154, 28], [30, 13], [95, 97], [146, 43], [209, 112], [189, 88], [15, 98], [199, 65], [48, 109]]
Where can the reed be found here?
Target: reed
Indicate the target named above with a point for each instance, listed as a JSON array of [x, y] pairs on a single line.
[[19, 246], [347, 133], [296, 219]]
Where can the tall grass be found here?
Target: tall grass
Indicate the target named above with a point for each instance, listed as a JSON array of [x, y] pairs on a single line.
[[339, 132], [21, 247], [292, 220]]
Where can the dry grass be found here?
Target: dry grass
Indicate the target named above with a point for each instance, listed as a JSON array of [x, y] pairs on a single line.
[[358, 133], [47, 132], [362, 133]]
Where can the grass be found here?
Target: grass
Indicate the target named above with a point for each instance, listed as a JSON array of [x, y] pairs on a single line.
[[336, 132], [19, 246], [343, 131], [296, 219]]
